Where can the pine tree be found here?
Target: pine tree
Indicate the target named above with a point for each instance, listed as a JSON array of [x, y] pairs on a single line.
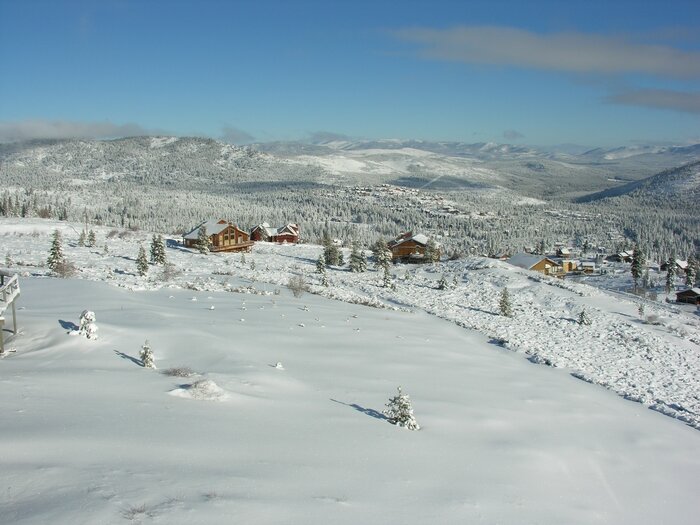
[[400, 412], [82, 238], [671, 273], [142, 261], [382, 254], [358, 263], [321, 264], [157, 249], [584, 319], [56, 258], [442, 283], [639, 263], [386, 280], [640, 310], [147, 355], [324, 279], [203, 241], [432, 252], [91, 239], [504, 305], [332, 254], [691, 271]]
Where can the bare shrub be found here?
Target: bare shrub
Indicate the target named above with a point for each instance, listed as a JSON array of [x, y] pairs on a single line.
[[298, 285], [65, 269], [169, 272], [179, 371], [112, 234]]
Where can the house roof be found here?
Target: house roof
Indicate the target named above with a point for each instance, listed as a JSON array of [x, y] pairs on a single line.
[[408, 236], [213, 227], [528, 260], [690, 291]]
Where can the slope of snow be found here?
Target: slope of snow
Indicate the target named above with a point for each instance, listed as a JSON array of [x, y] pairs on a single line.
[[90, 436]]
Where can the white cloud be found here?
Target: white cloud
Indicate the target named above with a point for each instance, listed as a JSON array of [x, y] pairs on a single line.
[[568, 52]]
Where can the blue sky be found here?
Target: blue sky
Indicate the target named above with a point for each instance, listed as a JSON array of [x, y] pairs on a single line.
[[540, 73]]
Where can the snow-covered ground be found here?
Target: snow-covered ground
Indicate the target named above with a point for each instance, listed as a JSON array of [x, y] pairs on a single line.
[[90, 436]]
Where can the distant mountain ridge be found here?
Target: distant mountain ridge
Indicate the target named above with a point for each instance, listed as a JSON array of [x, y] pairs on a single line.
[[447, 166], [681, 183]]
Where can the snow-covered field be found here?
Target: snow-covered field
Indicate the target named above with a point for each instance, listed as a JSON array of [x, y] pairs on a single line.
[[90, 436]]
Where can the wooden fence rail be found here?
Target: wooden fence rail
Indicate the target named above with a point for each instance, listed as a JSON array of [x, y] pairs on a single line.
[[9, 292]]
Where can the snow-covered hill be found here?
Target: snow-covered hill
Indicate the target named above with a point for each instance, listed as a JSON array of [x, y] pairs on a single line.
[[90, 436], [681, 184]]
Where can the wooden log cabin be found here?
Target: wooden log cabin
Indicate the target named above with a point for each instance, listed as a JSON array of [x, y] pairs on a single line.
[[409, 248], [224, 236], [287, 234]]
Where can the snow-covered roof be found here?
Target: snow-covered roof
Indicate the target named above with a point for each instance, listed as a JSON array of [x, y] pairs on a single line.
[[213, 227], [527, 260], [564, 251], [696, 291], [420, 238]]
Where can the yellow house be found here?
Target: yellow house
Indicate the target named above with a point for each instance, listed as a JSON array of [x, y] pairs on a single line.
[[537, 263]]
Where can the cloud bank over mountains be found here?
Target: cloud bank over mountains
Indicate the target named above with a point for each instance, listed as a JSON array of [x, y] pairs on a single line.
[[571, 53]]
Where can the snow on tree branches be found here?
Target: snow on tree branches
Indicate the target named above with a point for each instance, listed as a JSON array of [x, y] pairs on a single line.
[[400, 412]]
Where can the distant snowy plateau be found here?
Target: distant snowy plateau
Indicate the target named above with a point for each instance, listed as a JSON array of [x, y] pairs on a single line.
[[274, 414]]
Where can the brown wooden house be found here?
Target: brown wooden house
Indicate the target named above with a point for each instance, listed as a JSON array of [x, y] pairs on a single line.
[[288, 233], [537, 263], [223, 237], [409, 248], [690, 296]]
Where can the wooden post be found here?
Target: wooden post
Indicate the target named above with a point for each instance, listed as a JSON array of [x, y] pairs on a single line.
[[14, 317]]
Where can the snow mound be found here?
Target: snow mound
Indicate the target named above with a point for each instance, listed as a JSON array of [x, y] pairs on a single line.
[[203, 389]]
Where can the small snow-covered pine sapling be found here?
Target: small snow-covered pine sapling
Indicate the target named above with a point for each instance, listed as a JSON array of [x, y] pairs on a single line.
[[442, 283], [504, 305], [147, 359], [324, 279], [640, 310], [584, 318], [432, 251], [142, 262], [386, 280], [55, 258], [321, 264], [82, 238], [91, 239], [88, 328], [400, 412]]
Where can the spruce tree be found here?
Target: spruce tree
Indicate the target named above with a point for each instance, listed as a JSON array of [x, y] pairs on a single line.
[[147, 355], [671, 273], [584, 319], [358, 263], [321, 264], [504, 305], [382, 254], [203, 241], [691, 271], [56, 258], [638, 264], [91, 239], [400, 412], [442, 283], [157, 249], [82, 238], [142, 261], [432, 252], [386, 280]]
